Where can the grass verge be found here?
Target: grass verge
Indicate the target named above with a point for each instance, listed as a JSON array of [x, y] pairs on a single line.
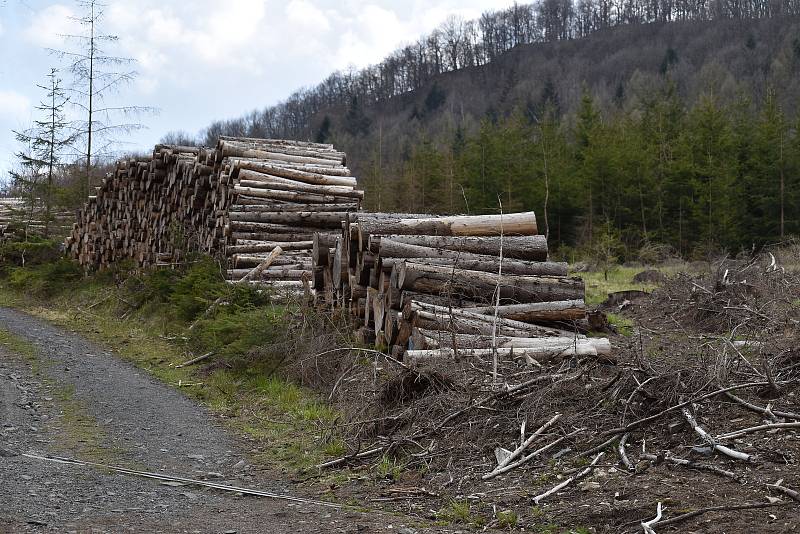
[[145, 319]]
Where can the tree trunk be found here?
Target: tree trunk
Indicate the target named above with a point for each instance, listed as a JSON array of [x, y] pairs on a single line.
[[531, 248], [480, 286]]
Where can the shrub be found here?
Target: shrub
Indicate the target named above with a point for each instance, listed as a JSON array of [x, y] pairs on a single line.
[[46, 280], [29, 253]]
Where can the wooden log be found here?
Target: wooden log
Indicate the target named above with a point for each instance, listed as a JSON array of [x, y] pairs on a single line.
[[445, 339], [531, 248], [541, 353], [242, 261], [256, 273], [567, 310], [261, 181], [480, 286], [487, 264], [461, 225], [279, 206], [260, 236], [434, 317], [277, 273], [293, 196], [266, 246], [295, 174], [302, 218]]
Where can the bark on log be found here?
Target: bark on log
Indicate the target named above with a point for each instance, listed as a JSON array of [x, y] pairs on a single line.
[[256, 273], [303, 218], [567, 310], [531, 248], [539, 353], [460, 225], [435, 317], [480, 286]]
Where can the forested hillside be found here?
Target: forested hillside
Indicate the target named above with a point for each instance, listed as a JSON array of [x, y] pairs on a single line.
[[625, 124]]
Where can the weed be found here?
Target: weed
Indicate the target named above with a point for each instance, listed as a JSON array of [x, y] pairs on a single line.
[[455, 512], [390, 468], [624, 326], [507, 519], [45, 280]]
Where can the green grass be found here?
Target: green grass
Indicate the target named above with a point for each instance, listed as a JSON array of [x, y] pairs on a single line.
[[144, 318], [624, 326], [507, 519], [18, 345], [389, 468], [619, 279], [455, 512]]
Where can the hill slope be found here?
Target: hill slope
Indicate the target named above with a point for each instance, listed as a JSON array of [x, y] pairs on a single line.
[[626, 110]]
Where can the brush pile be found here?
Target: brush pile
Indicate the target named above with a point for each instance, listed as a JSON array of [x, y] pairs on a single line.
[[478, 287], [243, 198], [697, 422]]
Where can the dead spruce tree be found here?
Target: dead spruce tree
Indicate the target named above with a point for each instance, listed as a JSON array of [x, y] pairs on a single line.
[[97, 75], [45, 142]]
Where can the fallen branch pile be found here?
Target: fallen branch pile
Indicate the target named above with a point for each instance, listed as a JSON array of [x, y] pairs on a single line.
[[683, 416]]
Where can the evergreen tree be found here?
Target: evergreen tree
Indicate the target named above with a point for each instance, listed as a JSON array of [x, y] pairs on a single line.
[[45, 142]]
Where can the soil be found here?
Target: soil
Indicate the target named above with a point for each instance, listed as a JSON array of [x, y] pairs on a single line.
[[77, 400]]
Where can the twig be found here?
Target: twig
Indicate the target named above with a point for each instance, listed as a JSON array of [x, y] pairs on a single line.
[[344, 459], [534, 454], [763, 411], [759, 428], [695, 513], [195, 360], [570, 480], [640, 422], [648, 525], [598, 448], [786, 491], [622, 455], [514, 455], [692, 465], [170, 478], [736, 455], [497, 299]]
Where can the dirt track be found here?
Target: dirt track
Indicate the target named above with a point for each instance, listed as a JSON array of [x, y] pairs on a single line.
[[76, 400]]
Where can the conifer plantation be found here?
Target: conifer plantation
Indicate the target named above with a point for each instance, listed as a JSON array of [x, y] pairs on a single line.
[[697, 177]]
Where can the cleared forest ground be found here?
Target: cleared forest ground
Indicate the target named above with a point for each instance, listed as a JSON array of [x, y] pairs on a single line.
[[676, 345]]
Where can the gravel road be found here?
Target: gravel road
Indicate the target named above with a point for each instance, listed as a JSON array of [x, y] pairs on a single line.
[[77, 400]]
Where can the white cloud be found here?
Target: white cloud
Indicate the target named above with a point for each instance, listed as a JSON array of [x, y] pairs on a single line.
[[306, 15], [48, 26], [14, 105], [1, 27]]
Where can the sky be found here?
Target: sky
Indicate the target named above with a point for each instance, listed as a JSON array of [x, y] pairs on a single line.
[[204, 60]]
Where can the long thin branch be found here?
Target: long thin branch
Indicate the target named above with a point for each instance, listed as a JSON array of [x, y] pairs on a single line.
[[570, 480], [759, 428], [645, 420]]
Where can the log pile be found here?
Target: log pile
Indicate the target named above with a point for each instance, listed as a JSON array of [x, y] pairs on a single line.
[[241, 199], [424, 287], [23, 217], [285, 214]]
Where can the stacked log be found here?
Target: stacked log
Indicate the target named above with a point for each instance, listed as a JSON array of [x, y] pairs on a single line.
[[23, 217], [426, 287], [241, 200]]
